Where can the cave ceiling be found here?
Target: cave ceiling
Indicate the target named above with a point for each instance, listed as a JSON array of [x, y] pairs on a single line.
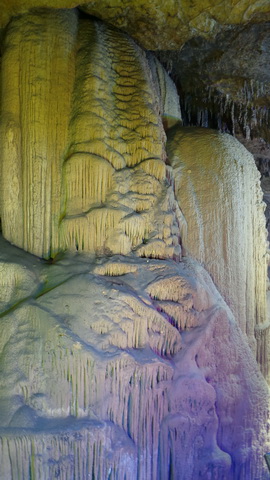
[[155, 24], [217, 52]]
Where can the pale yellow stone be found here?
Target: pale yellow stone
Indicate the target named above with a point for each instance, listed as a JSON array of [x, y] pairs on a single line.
[[82, 141], [159, 24], [218, 189], [166, 92], [37, 82], [156, 24]]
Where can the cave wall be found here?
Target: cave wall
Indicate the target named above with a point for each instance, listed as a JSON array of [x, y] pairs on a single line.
[[118, 356]]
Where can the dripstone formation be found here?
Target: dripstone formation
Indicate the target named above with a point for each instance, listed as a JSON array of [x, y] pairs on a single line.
[[119, 358]]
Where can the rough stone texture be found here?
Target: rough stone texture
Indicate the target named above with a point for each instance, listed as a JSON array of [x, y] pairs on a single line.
[[156, 24], [230, 63], [225, 81], [225, 221], [122, 371]]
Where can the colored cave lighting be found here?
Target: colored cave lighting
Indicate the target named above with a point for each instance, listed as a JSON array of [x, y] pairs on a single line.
[[267, 459]]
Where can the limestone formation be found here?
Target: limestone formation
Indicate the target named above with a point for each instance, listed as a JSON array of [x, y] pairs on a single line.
[[226, 224], [119, 359], [122, 371], [36, 102], [166, 91], [156, 24], [225, 81], [83, 146]]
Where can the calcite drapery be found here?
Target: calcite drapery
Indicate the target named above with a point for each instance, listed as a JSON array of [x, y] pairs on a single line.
[[93, 178], [111, 368], [226, 224], [122, 371], [37, 81]]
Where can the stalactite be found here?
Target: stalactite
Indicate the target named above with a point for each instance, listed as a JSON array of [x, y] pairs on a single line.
[[213, 108], [57, 454], [89, 179]]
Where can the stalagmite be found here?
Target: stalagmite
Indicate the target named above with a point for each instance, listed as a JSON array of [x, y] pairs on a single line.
[[226, 224], [119, 359]]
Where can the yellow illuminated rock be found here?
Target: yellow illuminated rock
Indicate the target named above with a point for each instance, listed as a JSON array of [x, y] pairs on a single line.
[[169, 24], [82, 142], [119, 359], [166, 92], [157, 24], [218, 189], [37, 78]]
